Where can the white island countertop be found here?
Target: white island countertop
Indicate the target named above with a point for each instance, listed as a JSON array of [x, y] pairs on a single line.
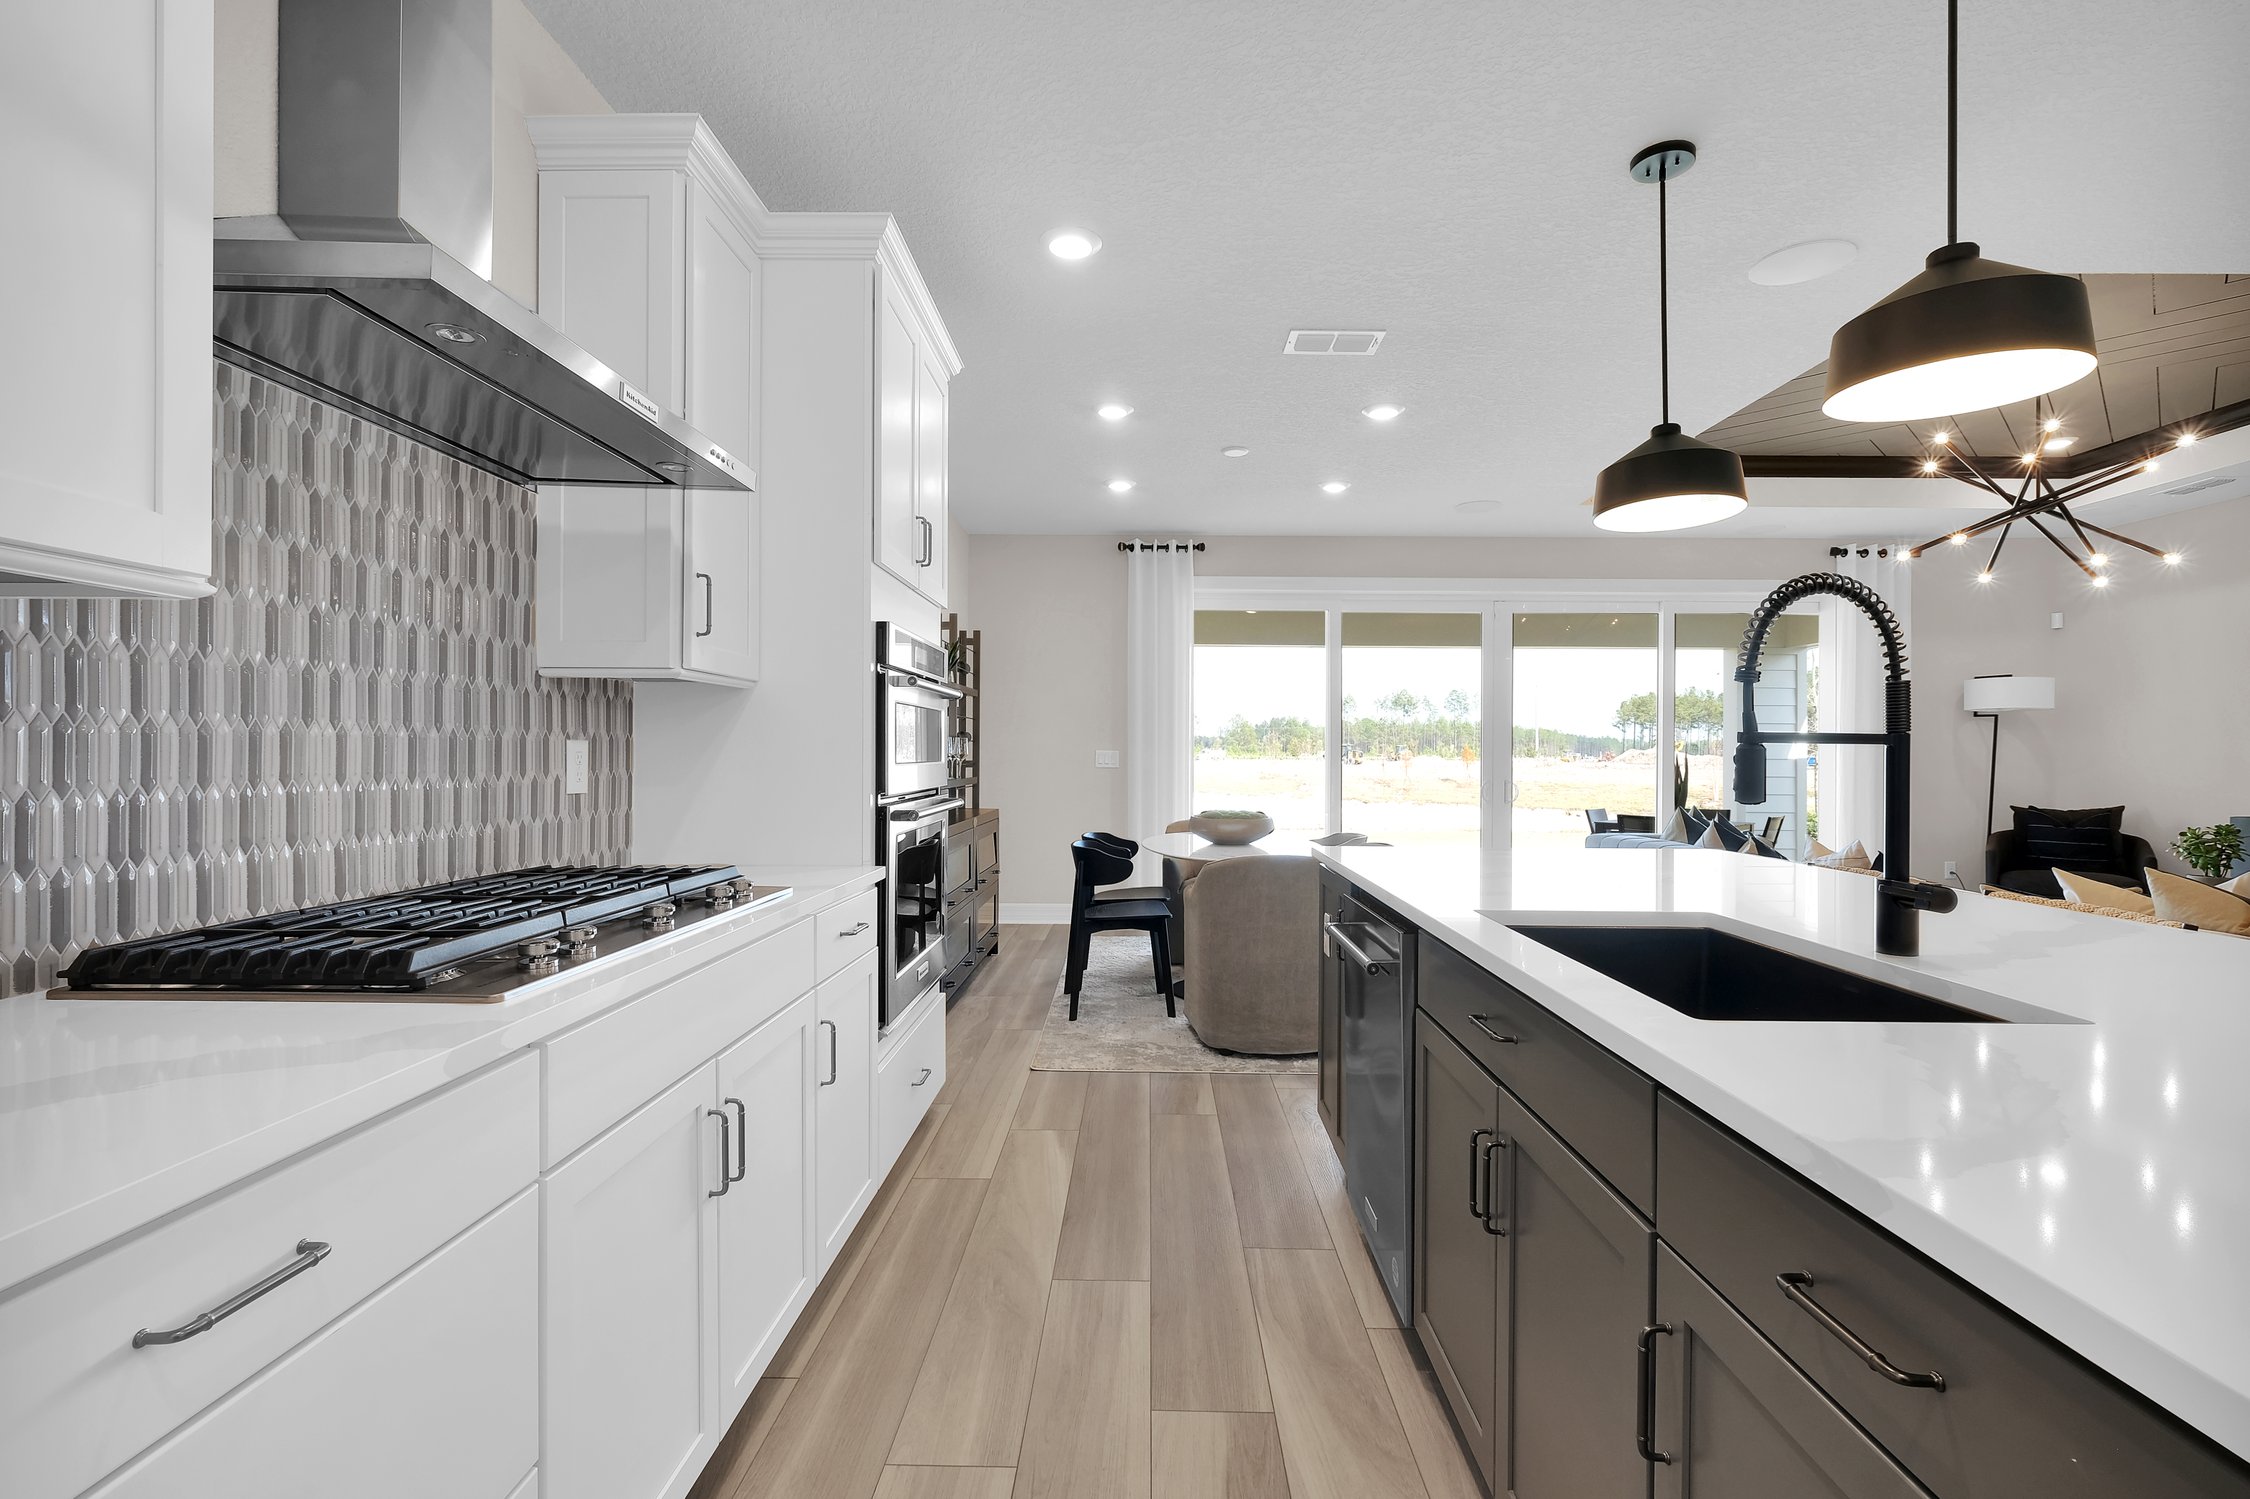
[[2090, 1174], [115, 1112]]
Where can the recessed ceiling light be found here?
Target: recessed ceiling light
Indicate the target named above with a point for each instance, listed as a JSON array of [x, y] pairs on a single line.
[[1113, 412], [1334, 486], [2171, 559], [1384, 413], [1234, 452], [2184, 440], [2056, 444], [1120, 486], [1795, 264], [1072, 244], [2101, 582], [1477, 507]]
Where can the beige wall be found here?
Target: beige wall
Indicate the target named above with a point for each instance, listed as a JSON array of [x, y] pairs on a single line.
[[1053, 612], [2152, 705], [531, 75]]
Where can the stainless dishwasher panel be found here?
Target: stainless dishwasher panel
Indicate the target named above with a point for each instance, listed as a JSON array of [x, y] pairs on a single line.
[[1374, 960]]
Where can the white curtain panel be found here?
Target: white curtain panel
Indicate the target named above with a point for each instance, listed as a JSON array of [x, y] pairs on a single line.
[[1852, 783], [1159, 692]]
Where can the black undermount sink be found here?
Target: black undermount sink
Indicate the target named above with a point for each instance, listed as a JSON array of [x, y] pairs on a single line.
[[1714, 975]]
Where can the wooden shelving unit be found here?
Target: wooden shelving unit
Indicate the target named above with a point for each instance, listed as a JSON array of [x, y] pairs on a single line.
[[976, 825]]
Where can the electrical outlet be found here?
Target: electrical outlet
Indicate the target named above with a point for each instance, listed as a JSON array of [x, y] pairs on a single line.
[[1952, 870], [574, 767], [1105, 759]]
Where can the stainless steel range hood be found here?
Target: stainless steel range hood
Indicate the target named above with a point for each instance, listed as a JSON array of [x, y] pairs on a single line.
[[370, 294]]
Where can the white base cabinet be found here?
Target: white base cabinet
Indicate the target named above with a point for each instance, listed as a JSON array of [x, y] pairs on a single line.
[[631, 1239], [105, 399], [477, 1327], [768, 1265], [844, 1107], [429, 1388]]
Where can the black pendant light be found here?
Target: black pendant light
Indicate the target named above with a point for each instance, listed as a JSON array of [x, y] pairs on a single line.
[[1672, 481], [1968, 333]]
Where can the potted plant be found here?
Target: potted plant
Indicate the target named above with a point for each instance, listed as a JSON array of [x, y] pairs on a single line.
[[2210, 851]]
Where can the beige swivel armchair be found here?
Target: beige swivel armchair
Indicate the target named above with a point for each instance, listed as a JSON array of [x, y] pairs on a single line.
[[1253, 955]]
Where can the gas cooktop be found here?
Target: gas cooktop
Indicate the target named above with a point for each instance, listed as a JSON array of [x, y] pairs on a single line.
[[467, 941]]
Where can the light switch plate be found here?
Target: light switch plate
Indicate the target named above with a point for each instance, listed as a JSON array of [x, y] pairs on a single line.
[[2054, 620], [1105, 759], [574, 767]]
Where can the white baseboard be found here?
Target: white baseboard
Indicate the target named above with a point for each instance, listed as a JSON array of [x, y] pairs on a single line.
[[1034, 913]]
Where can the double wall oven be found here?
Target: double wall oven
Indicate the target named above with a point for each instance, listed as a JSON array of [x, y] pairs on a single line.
[[916, 798]]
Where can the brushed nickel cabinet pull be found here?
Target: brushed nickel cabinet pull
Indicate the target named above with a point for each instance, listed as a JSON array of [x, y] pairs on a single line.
[[741, 1140], [925, 1077], [854, 930], [726, 1174], [310, 1252]]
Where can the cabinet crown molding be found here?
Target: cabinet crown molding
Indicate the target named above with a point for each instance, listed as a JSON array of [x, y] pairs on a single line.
[[686, 143]]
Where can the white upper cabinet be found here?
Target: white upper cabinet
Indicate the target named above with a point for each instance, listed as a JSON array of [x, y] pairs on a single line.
[[105, 397], [646, 258], [911, 378]]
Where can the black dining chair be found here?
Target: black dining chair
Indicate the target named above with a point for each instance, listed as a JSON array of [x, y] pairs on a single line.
[[1097, 865], [1771, 832], [1129, 849]]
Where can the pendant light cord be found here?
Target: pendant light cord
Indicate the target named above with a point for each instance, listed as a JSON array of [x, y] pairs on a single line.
[[1663, 292], [1953, 122]]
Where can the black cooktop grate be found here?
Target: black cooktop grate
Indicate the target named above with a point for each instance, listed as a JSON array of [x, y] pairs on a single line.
[[403, 941]]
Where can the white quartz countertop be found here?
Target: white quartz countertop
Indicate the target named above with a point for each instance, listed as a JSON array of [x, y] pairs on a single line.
[[2090, 1176], [114, 1112]]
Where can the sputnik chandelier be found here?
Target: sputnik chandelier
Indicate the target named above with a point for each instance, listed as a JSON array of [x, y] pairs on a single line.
[[2040, 501]]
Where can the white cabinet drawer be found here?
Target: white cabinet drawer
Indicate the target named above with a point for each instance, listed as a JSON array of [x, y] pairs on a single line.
[[908, 1077], [431, 1389], [77, 1398], [600, 1071], [843, 932]]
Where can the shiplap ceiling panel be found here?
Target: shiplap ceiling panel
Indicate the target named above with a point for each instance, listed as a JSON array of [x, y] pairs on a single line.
[[2172, 348]]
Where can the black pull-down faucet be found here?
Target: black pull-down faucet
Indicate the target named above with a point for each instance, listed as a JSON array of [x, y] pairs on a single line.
[[1900, 899]]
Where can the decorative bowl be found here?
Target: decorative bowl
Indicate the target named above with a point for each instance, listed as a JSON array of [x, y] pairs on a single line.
[[1230, 827]]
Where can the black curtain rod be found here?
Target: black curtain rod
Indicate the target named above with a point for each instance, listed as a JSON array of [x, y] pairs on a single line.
[[1160, 546]]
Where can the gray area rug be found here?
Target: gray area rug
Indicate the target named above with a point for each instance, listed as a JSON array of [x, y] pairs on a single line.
[[1121, 1025]]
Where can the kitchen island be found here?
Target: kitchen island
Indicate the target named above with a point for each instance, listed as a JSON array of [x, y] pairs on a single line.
[[2074, 1159]]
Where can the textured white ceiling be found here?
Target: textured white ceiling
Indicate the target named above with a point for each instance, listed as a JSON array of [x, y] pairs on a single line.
[[1451, 172]]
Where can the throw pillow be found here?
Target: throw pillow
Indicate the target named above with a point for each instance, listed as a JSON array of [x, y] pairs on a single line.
[[1854, 857], [1686, 827], [1758, 847], [1711, 838], [2070, 838], [2200, 905], [1816, 850], [2088, 891], [1730, 836], [2112, 818], [2148, 918], [2239, 885]]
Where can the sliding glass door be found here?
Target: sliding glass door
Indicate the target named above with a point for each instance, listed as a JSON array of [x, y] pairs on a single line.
[[1261, 716], [1585, 723], [1412, 718], [1402, 716]]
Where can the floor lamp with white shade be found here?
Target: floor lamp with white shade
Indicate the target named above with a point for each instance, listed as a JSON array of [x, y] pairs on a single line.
[[1991, 696]]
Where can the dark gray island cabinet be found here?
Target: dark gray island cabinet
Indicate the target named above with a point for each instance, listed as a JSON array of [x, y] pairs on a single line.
[[1621, 1298]]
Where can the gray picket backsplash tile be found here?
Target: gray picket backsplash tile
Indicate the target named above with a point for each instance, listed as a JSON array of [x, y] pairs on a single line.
[[355, 710]]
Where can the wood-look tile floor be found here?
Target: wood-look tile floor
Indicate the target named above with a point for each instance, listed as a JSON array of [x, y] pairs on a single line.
[[1101, 1285]]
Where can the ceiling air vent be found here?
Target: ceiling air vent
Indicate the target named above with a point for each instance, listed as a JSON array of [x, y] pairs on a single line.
[[1333, 341], [2211, 483]]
